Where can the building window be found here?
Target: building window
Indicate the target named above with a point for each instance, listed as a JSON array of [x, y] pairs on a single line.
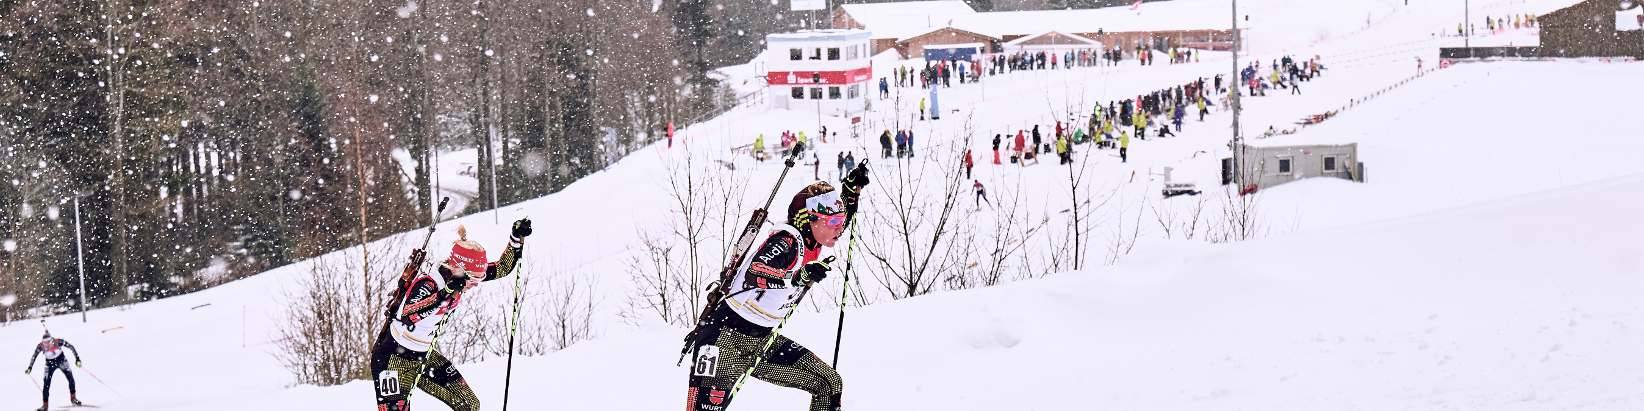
[[796, 54], [833, 53], [1284, 166], [1329, 164], [816, 93], [798, 93], [833, 93], [817, 55], [853, 91]]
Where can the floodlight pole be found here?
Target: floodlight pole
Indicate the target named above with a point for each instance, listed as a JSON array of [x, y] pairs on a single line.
[[1466, 28], [79, 256], [1237, 150]]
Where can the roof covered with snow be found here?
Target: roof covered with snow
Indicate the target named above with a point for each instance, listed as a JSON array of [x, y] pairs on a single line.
[[906, 8], [1160, 16], [954, 46], [906, 20], [1058, 34], [1629, 19], [819, 35], [903, 20], [913, 33]]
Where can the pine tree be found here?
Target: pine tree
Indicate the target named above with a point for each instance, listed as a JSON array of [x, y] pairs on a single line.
[[696, 32]]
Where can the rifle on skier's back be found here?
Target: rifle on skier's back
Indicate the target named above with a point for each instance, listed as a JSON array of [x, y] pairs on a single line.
[[750, 232], [418, 255]]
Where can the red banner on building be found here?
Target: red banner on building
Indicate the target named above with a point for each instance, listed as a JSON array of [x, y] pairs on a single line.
[[798, 78]]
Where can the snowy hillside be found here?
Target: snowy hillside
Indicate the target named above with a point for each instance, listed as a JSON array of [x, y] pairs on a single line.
[[1491, 261]]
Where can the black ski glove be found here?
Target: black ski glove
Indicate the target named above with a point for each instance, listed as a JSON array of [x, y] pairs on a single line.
[[858, 178], [815, 271], [522, 228]]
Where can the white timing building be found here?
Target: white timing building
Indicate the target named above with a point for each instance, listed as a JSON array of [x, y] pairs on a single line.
[[826, 70]]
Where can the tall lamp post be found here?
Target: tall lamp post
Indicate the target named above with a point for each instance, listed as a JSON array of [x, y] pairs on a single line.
[[1466, 24], [1238, 151], [80, 256]]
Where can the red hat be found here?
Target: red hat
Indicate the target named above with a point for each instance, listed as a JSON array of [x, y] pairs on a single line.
[[467, 255]]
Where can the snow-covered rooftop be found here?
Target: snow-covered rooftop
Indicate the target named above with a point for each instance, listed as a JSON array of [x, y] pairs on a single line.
[[906, 19], [1071, 36], [1161, 16], [953, 46], [819, 35], [1629, 19], [906, 8]]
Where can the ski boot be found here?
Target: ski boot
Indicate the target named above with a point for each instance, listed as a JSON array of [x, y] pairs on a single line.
[[44, 406], [75, 401]]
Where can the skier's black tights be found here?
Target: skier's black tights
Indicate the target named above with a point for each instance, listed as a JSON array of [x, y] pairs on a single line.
[[51, 366], [727, 348]]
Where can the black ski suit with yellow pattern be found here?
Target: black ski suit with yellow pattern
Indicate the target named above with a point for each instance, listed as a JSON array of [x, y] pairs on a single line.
[[440, 377], [728, 343]]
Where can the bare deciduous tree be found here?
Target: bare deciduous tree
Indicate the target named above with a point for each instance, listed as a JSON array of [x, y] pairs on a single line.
[[555, 310], [329, 325], [1007, 235], [910, 234], [675, 267]]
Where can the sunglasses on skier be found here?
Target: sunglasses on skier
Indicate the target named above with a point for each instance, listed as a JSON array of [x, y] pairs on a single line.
[[834, 220]]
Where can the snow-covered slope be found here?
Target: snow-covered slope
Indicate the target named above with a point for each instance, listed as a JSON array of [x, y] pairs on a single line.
[[1489, 262]]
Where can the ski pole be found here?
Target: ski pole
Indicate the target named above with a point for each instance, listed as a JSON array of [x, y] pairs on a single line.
[[100, 381], [36, 383], [839, 336], [767, 346], [743, 242], [424, 368], [513, 326]]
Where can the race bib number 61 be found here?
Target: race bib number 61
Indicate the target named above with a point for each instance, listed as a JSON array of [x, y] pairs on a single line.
[[707, 361]]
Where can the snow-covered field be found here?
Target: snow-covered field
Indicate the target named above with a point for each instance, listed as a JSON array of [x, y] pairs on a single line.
[[1491, 261]]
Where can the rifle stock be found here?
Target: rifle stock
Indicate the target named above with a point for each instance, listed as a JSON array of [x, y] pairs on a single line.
[[750, 232]]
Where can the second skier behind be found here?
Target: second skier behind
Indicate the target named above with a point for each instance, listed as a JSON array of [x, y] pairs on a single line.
[[762, 293], [406, 349]]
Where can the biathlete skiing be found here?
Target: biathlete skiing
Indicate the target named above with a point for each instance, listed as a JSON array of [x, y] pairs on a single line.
[[55, 360], [405, 354], [763, 289]]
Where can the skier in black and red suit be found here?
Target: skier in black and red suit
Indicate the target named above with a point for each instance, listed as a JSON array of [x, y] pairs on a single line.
[[55, 360], [405, 348], [762, 293]]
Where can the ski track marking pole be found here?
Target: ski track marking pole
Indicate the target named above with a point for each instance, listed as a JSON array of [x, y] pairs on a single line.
[[513, 326]]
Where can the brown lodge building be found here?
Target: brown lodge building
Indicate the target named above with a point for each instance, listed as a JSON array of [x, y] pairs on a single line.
[[909, 27]]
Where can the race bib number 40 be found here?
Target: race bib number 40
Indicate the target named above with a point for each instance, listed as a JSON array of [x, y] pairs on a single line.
[[388, 383]]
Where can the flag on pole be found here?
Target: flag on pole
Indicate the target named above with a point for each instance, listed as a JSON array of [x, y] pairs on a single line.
[[1136, 5]]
